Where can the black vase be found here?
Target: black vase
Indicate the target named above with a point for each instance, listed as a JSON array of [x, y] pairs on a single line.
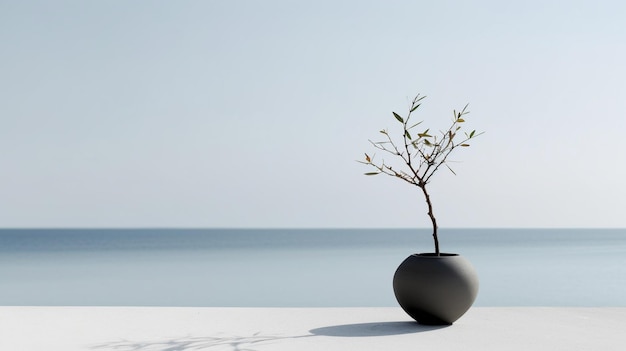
[[435, 290]]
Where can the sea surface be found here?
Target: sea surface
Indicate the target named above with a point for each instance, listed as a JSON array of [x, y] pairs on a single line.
[[300, 267]]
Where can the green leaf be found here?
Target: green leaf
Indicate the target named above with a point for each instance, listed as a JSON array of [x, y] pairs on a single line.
[[472, 133], [425, 134], [453, 172], [372, 173], [416, 124], [415, 108], [406, 133], [397, 116]]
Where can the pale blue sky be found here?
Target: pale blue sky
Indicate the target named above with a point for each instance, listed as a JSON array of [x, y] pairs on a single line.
[[252, 113]]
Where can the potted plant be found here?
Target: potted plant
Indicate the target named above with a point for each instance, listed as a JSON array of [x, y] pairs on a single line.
[[432, 287]]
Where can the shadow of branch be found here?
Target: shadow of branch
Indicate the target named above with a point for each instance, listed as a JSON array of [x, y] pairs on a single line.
[[248, 343], [234, 343]]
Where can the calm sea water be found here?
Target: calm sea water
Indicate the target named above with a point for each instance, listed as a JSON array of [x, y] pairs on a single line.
[[311, 268]]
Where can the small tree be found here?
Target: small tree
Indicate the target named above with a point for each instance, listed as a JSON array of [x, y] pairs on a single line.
[[422, 154]]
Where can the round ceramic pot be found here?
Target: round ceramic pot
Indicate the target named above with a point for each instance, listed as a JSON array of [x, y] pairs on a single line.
[[435, 289]]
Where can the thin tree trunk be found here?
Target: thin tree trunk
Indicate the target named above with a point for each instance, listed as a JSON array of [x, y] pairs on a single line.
[[432, 217]]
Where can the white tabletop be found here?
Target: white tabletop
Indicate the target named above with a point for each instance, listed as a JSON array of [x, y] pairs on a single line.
[[301, 329]]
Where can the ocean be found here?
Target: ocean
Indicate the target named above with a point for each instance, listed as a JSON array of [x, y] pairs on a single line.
[[300, 267]]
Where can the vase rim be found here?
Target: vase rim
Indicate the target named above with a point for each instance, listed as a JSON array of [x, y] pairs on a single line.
[[433, 254]]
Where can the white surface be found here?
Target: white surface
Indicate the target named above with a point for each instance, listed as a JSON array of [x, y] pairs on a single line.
[[183, 329]]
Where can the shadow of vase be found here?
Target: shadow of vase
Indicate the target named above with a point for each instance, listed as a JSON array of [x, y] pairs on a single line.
[[375, 329]]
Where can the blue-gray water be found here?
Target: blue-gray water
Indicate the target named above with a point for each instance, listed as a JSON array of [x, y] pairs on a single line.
[[317, 267]]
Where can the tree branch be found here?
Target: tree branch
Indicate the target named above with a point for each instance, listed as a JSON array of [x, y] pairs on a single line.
[[429, 160]]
